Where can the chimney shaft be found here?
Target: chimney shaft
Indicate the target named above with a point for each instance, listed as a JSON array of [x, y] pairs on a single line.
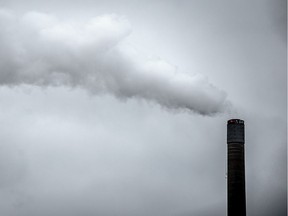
[[236, 168]]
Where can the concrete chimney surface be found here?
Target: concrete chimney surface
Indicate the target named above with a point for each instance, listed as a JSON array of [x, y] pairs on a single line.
[[235, 131], [236, 168]]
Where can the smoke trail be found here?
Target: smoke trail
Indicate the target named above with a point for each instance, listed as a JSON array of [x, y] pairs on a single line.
[[40, 49]]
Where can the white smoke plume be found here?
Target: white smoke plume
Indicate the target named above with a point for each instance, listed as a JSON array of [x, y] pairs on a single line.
[[41, 49]]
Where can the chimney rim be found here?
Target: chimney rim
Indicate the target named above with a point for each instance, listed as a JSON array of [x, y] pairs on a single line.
[[235, 121]]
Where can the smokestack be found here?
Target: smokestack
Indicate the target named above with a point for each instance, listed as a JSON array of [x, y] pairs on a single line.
[[236, 168]]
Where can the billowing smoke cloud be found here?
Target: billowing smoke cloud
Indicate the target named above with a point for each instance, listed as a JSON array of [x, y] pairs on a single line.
[[41, 49]]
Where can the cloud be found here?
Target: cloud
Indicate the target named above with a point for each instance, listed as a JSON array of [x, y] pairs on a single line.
[[41, 49]]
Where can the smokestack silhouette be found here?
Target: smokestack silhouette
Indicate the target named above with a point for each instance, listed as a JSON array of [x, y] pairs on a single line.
[[236, 168]]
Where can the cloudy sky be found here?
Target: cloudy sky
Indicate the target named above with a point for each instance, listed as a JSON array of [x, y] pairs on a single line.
[[119, 107]]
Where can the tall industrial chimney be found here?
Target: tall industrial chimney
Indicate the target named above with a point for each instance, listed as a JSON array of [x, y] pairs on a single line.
[[236, 168]]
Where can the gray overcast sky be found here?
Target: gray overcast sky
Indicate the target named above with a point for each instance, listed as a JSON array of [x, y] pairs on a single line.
[[120, 107]]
